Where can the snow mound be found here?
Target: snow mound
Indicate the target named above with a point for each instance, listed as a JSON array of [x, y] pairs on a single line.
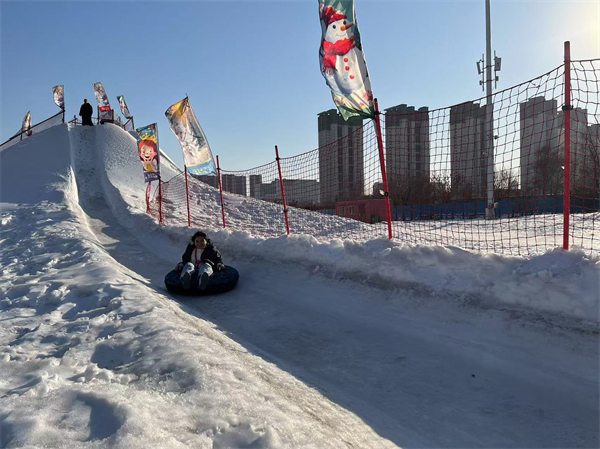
[[93, 355]]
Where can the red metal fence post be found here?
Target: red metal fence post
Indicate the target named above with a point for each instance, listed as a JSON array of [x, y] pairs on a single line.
[[220, 190], [160, 220], [567, 117], [383, 173], [187, 195], [285, 210], [148, 198]]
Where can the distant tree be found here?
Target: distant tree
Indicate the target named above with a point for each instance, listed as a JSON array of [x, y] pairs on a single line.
[[415, 189], [506, 184], [441, 188], [462, 188]]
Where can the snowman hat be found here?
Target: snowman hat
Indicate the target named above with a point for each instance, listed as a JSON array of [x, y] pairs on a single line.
[[330, 15]]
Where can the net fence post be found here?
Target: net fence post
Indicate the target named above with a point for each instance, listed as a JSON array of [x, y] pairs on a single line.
[[383, 173], [221, 191], [285, 210], [567, 117], [148, 198], [187, 195], [160, 218]]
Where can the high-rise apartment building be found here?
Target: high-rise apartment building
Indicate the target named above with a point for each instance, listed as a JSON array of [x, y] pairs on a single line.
[[468, 159], [542, 147], [234, 184], [407, 144], [539, 144], [255, 185], [582, 153], [341, 158], [298, 192], [211, 180]]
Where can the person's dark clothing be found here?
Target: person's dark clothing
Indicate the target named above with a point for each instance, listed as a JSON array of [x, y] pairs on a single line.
[[86, 111], [210, 255]]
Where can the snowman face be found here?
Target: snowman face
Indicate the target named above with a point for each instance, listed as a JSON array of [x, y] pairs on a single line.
[[338, 30]]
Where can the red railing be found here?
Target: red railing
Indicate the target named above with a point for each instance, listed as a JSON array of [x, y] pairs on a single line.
[[545, 176], [127, 126]]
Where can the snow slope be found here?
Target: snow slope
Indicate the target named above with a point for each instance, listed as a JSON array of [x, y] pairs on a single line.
[[458, 349], [94, 357]]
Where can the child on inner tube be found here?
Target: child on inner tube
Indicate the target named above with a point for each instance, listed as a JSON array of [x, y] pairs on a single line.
[[200, 258]]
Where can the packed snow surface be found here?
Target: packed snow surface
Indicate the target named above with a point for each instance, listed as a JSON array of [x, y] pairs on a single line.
[[323, 343]]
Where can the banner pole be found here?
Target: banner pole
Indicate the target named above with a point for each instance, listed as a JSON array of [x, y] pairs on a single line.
[[383, 173], [187, 195], [148, 198], [285, 210], [160, 220], [220, 190], [567, 117]]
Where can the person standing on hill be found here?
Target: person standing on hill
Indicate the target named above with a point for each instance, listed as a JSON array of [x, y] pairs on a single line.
[[86, 112]]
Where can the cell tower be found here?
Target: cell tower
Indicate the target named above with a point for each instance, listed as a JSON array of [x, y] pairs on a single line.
[[484, 68]]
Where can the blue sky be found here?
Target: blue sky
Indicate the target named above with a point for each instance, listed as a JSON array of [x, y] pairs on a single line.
[[251, 68]]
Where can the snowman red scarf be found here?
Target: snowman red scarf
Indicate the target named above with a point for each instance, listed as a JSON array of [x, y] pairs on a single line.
[[333, 49]]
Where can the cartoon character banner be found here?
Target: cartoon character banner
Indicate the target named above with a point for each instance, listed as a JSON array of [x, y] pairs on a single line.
[[124, 108], [342, 60], [103, 104], [147, 142], [59, 96], [26, 125], [196, 151]]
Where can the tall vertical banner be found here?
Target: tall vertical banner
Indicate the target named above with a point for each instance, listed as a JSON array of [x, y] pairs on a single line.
[[124, 108], [102, 99], [196, 151], [26, 125], [147, 142], [342, 60], [59, 96]]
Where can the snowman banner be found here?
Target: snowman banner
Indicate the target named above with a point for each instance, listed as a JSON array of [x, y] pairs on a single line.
[[196, 151], [59, 96], [342, 61], [124, 108], [147, 142]]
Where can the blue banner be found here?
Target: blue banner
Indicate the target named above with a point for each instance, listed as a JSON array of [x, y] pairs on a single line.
[[196, 151]]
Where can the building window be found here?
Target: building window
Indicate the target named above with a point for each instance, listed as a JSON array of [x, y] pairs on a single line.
[[342, 210], [350, 210]]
